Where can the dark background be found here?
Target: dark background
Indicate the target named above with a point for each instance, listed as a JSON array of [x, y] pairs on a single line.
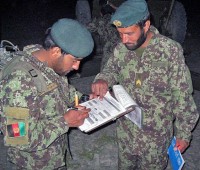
[[25, 21]]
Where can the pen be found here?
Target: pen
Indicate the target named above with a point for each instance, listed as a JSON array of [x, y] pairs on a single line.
[[73, 108], [76, 99]]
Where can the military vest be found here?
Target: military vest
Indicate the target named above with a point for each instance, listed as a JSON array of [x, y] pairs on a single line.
[[10, 61]]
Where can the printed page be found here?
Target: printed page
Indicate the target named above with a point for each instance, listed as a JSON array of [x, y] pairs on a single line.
[[123, 97], [101, 111], [135, 116]]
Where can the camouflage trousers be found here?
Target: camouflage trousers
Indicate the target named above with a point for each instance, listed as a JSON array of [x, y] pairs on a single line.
[[129, 161], [139, 151], [12, 166]]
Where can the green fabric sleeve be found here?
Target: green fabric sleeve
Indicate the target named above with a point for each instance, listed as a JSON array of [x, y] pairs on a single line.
[[46, 122], [184, 107]]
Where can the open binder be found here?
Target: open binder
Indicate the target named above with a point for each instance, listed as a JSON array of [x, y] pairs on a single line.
[[109, 108]]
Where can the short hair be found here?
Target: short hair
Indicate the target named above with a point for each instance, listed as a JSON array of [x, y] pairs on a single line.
[[48, 42], [141, 23]]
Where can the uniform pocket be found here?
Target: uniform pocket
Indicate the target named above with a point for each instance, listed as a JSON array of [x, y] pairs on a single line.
[[159, 77]]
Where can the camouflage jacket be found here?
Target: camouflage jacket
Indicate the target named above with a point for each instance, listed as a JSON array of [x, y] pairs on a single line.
[[108, 35], [41, 145], [159, 81], [104, 28]]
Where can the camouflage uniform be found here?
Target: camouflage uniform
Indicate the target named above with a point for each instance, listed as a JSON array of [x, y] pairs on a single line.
[[164, 96], [83, 13], [107, 33], [44, 144]]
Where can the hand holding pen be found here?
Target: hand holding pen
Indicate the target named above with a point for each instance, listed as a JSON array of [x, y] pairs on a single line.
[[75, 116]]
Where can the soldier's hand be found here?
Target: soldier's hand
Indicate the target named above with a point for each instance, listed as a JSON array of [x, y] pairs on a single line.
[[181, 145], [75, 118], [99, 89]]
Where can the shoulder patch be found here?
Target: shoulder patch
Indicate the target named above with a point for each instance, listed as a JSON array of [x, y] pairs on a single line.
[[16, 129], [17, 126]]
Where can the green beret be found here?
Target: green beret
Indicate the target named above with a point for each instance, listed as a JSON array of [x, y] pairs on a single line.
[[129, 13], [72, 37]]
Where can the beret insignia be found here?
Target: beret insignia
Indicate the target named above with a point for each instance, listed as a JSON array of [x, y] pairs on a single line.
[[130, 12], [117, 23]]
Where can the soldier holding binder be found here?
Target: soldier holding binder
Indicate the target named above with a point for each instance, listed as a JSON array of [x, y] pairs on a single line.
[[152, 69]]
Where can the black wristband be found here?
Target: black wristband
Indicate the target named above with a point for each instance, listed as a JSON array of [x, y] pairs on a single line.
[[84, 98]]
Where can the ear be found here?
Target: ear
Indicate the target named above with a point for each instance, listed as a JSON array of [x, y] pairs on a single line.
[[56, 52], [147, 25]]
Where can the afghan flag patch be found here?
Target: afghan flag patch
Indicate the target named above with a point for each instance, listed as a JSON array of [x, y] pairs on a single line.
[[16, 129]]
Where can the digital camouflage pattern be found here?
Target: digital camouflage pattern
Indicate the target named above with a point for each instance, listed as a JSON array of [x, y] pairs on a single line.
[[165, 95], [46, 128], [108, 36]]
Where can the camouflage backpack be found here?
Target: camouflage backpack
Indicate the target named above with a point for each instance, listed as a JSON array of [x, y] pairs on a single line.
[[9, 62], [10, 56]]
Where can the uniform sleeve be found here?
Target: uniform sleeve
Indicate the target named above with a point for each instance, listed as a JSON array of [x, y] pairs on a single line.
[[184, 107], [19, 97], [72, 91], [110, 72]]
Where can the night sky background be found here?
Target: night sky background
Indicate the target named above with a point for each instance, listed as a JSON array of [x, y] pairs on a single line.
[[25, 21]]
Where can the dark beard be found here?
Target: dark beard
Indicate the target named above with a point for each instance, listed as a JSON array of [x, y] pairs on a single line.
[[140, 41]]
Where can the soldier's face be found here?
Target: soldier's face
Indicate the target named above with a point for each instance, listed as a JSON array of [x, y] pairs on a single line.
[[66, 63], [132, 37]]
